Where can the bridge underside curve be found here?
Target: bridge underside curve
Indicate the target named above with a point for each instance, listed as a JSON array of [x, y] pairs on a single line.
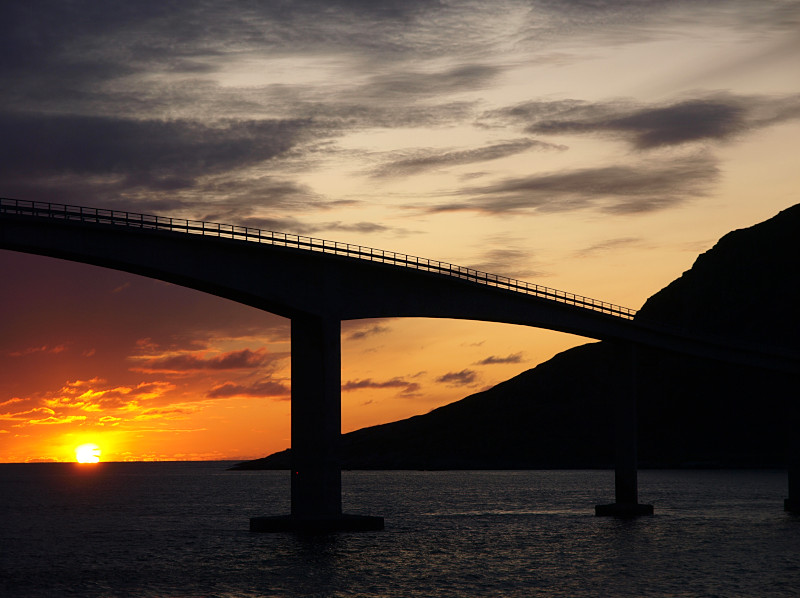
[[291, 282]]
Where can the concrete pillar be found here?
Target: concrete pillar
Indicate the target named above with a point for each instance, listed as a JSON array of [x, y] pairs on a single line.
[[626, 483], [316, 479], [316, 417]]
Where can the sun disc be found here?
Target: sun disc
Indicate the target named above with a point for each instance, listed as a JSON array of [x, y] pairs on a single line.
[[87, 453]]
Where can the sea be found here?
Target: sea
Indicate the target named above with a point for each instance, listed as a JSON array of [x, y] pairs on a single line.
[[182, 530]]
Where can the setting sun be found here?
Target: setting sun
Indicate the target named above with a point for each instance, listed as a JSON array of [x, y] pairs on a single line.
[[87, 453]]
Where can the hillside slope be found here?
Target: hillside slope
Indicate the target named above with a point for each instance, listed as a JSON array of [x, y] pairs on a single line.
[[692, 412]]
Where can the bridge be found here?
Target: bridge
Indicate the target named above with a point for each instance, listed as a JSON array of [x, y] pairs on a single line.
[[317, 284]]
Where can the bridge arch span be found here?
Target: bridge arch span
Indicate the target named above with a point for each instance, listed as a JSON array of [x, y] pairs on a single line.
[[294, 282]]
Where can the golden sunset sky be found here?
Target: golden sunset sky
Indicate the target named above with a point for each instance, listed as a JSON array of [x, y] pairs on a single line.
[[595, 146]]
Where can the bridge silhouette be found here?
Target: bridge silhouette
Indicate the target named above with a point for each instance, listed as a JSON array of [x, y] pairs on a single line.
[[317, 284]]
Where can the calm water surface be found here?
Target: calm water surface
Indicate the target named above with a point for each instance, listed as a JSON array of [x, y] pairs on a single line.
[[181, 529]]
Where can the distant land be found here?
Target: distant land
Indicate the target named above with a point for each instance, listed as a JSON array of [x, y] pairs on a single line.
[[692, 412]]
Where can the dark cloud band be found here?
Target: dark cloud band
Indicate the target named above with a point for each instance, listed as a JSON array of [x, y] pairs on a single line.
[[615, 189], [712, 119]]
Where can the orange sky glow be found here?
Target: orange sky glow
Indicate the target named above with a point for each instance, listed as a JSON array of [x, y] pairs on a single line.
[[585, 146]]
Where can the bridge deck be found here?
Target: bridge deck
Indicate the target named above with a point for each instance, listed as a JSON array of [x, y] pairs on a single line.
[[255, 235]]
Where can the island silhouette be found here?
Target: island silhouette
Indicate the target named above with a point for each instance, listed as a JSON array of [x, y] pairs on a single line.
[[692, 412]]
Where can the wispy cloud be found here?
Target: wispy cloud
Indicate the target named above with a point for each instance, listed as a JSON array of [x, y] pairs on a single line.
[[717, 118], [115, 154], [192, 362], [644, 187], [462, 378], [420, 160], [419, 84], [11, 401], [96, 395], [241, 212], [163, 413], [493, 360], [262, 388], [26, 414], [368, 331], [608, 245], [56, 420], [409, 388], [508, 261], [50, 349]]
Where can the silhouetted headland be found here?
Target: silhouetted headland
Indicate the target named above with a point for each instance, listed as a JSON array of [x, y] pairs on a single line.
[[692, 412]]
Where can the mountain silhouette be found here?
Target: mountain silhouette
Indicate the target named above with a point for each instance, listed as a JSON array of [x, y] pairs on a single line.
[[692, 412]]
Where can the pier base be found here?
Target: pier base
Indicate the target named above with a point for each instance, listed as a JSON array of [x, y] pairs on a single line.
[[323, 525]]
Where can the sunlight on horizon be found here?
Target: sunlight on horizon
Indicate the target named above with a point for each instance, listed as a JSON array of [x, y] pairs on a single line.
[[87, 453]]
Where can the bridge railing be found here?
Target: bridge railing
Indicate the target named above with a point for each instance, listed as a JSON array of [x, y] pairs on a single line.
[[245, 233]]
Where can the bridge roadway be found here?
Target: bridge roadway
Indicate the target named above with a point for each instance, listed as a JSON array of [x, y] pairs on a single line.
[[317, 284]]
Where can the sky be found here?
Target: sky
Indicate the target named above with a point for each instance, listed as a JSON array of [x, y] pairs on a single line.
[[594, 146]]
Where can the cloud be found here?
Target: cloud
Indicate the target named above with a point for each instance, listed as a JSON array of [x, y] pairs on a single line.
[[169, 413], [298, 227], [366, 332], [161, 155], [242, 210], [427, 159], [190, 38], [189, 57], [419, 84], [185, 37], [358, 227], [122, 287], [620, 22], [409, 388], [608, 245], [21, 415], [54, 420], [717, 118], [508, 261], [131, 57], [462, 378], [191, 362], [95, 395], [150, 122], [492, 360], [42, 349], [262, 388], [648, 128], [95, 402], [645, 187]]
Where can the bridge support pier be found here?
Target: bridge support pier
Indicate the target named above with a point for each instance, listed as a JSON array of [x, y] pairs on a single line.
[[626, 482], [316, 484]]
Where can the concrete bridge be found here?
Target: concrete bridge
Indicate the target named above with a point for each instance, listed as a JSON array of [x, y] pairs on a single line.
[[317, 284]]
